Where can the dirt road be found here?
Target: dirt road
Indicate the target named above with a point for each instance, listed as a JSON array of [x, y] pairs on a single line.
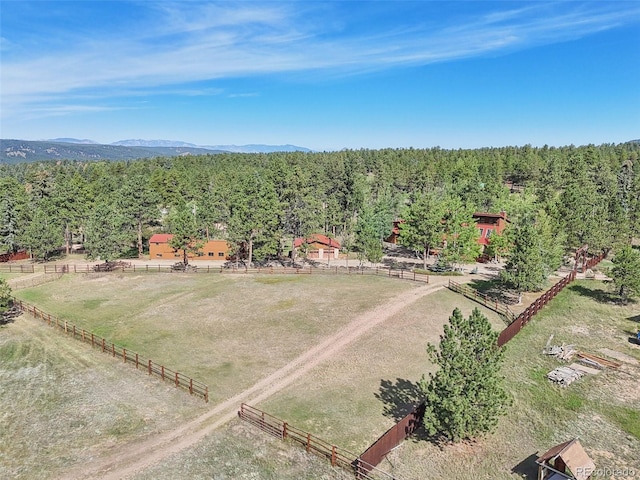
[[128, 459]]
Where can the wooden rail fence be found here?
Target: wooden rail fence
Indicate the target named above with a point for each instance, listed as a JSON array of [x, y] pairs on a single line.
[[514, 328], [17, 268], [194, 387], [522, 319], [338, 457], [390, 440], [483, 299], [378, 271]]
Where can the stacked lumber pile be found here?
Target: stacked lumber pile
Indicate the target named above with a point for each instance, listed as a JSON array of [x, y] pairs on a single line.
[[597, 362], [564, 376], [588, 363]]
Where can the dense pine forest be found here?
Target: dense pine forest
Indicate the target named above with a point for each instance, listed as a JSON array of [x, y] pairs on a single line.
[[556, 198]]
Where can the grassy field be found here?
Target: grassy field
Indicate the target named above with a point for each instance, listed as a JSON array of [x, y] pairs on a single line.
[[357, 396], [603, 410], [227, 331], [64, 403]]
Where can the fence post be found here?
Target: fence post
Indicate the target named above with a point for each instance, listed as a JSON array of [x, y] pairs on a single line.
[[136, 361], [113, 349], [162, 371], [191, 386], [124, 355], [308, 442], [284, 430], [149, 367], [177, 380], [103, 345], [333, 456], [65, 326], [206, 394]]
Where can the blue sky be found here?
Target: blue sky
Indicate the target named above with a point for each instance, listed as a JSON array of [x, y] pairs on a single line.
[[323, 75]]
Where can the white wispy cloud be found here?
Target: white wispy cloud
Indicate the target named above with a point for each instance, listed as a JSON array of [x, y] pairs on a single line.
[[177, 46]]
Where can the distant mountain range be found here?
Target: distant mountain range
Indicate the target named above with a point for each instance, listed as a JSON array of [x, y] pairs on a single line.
[[18, 151]]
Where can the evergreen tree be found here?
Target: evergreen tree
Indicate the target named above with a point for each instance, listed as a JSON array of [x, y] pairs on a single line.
[[5, 295], [527, 268], [368, 241], [461, 233], [184, 228], [423, 228], [107, 234], [138, 203], [626, 273], [253, 217], [43, 234], [466, 396]]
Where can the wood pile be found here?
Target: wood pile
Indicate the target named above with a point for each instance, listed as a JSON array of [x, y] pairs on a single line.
[[564, 376], [597, 362], [563, 352]]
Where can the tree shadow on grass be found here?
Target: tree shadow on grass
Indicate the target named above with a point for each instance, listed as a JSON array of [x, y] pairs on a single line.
[[399, 398], [527, 468], [600, 295]]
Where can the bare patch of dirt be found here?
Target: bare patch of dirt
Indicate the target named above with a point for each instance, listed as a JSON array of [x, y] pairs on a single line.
[[619, 356]]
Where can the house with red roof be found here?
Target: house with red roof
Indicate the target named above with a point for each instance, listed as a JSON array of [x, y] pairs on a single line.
[[159, 248], [317, 246]]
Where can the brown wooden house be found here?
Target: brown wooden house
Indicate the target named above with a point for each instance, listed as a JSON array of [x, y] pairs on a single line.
[[318, 246], [159, 248], [565, 461], [490, 224]]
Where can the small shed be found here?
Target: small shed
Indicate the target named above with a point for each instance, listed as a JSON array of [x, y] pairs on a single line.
[[567, 460]]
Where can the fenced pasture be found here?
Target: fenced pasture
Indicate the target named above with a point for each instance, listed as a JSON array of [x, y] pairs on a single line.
[[180, 380], [239, 328], [236, 329], [601, 409], [63, 404], [374, 380]]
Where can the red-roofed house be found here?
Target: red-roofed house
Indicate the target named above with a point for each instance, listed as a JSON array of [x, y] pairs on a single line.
[[490, 224], [212, 250], [318, 246]]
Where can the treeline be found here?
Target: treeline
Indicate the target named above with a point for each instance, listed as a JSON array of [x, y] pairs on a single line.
[[259, 202]]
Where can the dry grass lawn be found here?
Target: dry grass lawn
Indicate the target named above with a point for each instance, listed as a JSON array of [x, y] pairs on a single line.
[[227, 331], [64, 403]]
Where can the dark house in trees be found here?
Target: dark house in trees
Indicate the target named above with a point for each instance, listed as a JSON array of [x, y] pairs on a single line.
[[567, 460], [395, 232], [317, 246], [490, 224]]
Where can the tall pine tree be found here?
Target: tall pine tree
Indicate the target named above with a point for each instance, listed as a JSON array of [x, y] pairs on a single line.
[[466, 396]]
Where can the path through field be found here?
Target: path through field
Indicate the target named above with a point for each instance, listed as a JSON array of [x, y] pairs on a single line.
[[126, 460]]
